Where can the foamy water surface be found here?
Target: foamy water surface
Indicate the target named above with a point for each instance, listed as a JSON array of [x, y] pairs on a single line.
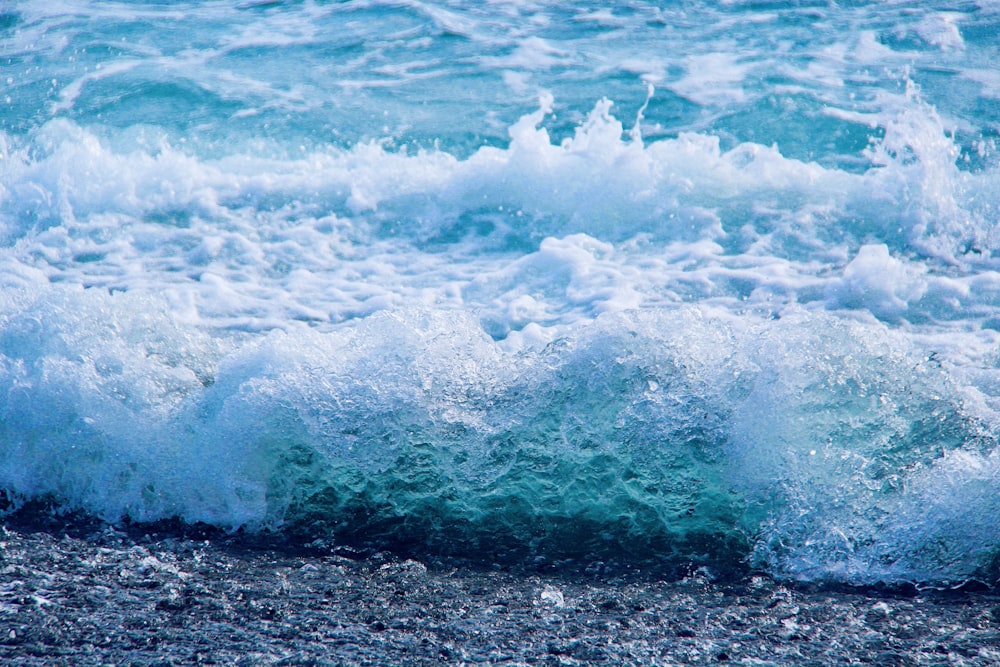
[[695, 283]]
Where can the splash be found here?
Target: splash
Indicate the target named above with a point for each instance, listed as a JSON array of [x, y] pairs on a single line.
[[426, 290]]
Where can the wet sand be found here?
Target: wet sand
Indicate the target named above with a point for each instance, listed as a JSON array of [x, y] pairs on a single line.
[[79, 593]]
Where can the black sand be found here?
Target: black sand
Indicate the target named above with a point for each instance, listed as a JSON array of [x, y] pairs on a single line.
[[87, 594]]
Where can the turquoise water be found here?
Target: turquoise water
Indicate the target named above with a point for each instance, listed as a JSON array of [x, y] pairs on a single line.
[[683, 284]]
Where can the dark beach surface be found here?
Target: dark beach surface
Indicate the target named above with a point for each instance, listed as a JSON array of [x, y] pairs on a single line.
[[77, 592]]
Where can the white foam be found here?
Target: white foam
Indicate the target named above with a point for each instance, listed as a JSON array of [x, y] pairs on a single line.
[[944, 521], [941, 30], [69, 94], [712, 78], [879, 283], [345, 237], [988, 79], [530, 53], [826, 440]]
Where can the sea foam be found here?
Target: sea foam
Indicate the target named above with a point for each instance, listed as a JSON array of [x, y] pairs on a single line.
[[811, 444]]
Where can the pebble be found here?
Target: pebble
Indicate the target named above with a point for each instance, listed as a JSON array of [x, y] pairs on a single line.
[[100, 599]]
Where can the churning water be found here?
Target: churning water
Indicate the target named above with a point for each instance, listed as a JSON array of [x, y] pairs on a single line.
[[682, 282]]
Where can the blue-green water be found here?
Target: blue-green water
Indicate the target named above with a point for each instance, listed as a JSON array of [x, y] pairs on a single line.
[[676, 283]]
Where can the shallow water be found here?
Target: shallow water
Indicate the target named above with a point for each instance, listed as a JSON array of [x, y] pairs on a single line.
[[694, 284]]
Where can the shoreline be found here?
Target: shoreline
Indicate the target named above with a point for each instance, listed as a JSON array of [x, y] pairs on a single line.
[[92, 594]]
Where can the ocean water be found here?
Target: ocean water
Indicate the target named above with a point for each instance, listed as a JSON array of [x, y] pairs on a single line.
[[677, 283]]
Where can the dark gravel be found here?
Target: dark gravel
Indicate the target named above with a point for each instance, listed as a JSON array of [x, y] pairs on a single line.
[[97, 595]]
